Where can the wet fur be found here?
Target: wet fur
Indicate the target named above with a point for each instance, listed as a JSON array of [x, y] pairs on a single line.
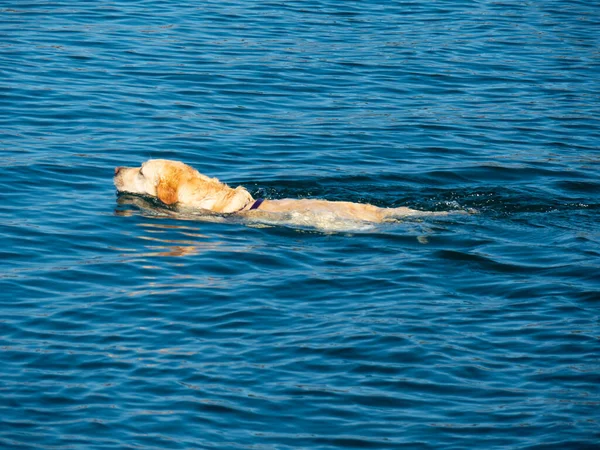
[[175, 182]]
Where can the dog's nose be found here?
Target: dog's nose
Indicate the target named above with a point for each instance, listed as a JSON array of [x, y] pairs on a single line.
[[117, 170]]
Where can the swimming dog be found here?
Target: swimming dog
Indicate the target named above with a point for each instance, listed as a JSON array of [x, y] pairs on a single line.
[[173, 182]]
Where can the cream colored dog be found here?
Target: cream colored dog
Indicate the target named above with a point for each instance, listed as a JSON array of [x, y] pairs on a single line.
[[175, 182]]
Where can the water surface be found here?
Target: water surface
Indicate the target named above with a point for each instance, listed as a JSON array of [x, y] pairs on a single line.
[[122, 325]]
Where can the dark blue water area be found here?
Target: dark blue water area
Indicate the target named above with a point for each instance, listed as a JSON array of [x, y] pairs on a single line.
[[126, 324]]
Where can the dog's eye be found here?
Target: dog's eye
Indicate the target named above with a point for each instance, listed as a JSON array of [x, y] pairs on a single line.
[[140, 172]]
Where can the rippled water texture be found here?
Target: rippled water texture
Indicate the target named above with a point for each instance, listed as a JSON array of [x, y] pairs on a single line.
[[125, 324]]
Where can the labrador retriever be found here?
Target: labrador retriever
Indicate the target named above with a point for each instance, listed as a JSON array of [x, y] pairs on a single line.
[[173, 182]]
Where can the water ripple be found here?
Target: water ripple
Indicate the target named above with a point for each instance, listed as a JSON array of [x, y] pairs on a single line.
[[125, 323]]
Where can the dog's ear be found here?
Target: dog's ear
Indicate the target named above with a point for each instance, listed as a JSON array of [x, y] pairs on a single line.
[[235, 200], [166, 191]]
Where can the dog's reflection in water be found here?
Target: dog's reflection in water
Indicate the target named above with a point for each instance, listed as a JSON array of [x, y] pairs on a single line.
[[157, 245]]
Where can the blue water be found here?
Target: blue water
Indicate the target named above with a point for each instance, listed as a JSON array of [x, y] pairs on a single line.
[[124, 325]]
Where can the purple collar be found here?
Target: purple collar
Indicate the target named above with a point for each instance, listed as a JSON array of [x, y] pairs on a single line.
[[257, 203]]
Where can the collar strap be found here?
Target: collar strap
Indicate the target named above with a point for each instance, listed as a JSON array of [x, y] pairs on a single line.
[[257, 203]]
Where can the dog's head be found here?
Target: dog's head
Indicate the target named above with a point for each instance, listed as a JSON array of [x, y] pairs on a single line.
[[175, 182]]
